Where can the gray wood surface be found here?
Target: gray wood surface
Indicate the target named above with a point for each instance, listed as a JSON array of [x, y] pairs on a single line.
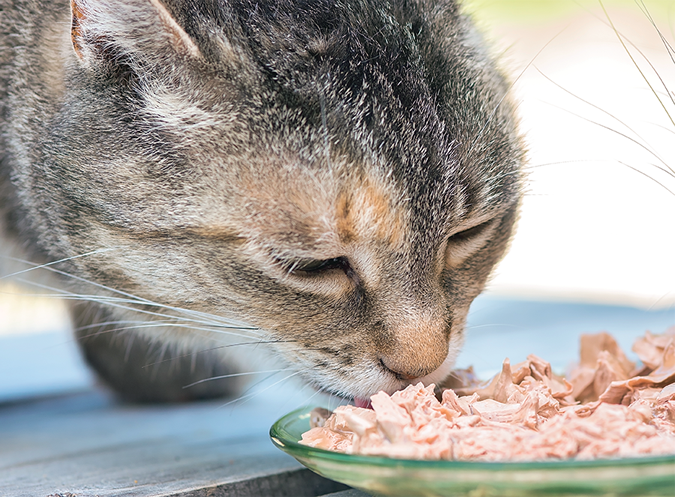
[[88, 445]]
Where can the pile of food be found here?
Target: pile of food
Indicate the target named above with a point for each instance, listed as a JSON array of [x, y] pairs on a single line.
[[607, 407]]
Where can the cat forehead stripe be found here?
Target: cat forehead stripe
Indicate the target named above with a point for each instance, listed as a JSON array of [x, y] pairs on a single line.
[[369, 210]]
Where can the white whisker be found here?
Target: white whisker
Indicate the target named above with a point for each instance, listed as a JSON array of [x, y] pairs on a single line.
[[646, 144], [650, 177], [135, 299], [218, 347], [637, 66], [48, 264], [113, 302], [234, 375], [253, 394], [609, 128], [508, 92]]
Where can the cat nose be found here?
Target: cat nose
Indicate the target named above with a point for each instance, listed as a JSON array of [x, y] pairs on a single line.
[[411, 361], [414, 338], [399, 375]]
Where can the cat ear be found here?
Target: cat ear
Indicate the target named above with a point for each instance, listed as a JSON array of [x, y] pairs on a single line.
[[141, 27]]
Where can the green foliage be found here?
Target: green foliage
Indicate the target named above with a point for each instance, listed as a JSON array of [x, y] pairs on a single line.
[[523, 11]]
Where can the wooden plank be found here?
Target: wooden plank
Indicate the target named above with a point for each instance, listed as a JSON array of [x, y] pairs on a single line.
[[89, 445], [298, 483]]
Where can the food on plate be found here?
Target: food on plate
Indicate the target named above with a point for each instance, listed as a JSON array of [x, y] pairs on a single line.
[[607, 407]]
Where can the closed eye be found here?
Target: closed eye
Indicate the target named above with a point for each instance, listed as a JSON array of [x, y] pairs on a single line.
[[329, 277], [465, 243], [313, 266], [469, 233]]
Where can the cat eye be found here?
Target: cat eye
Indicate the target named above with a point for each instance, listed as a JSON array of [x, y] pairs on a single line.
[[464, 244], [313, 266], [469, 233]]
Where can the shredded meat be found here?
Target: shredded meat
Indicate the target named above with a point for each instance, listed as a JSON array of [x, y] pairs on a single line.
[[608, 407]]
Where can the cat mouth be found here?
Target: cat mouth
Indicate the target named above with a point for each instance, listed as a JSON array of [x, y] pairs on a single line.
[[364, 403]]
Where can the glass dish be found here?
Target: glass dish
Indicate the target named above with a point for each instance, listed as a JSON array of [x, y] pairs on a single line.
[[639, 477]]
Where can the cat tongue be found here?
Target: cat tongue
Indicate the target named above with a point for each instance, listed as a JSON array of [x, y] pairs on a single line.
[[365, 403]]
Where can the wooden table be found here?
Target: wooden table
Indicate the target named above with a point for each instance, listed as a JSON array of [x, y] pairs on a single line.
[[87, 444]]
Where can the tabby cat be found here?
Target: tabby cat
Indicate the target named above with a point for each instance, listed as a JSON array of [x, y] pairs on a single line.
[[334, 180]]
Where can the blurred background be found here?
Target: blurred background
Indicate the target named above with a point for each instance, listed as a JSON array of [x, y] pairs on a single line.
[[598, 221], [596, 98]]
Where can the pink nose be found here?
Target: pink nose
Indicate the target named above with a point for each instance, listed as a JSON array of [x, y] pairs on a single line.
[[416, 342], [399, 374]]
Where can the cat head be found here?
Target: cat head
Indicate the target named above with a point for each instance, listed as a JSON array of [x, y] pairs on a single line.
[[343, 176]]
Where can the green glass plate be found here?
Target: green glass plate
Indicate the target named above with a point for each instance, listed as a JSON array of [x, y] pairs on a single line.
[[639, 477]]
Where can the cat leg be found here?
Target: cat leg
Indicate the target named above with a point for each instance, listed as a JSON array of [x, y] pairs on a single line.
[[141, 370]]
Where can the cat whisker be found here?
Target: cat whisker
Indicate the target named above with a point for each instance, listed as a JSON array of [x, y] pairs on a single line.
[[645, 11], [246, 397], [561, 163], [120, 322], [48, 264], [219, 347], [210, 329], [637, 66], [658, 75], [655, 304], [655, 166], [293, 402], [609, 128], [646, 146], [115, 302], [665, 128], [300, 394], [507, 92], [234, 375], [135, 299], [146, 325], [650, 177], [490, 325], [162, 351]]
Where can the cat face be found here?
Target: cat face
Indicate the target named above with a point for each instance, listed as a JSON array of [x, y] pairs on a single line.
[[343, 178]]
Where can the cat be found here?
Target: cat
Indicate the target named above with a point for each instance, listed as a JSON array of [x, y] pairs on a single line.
[[331, 180]]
